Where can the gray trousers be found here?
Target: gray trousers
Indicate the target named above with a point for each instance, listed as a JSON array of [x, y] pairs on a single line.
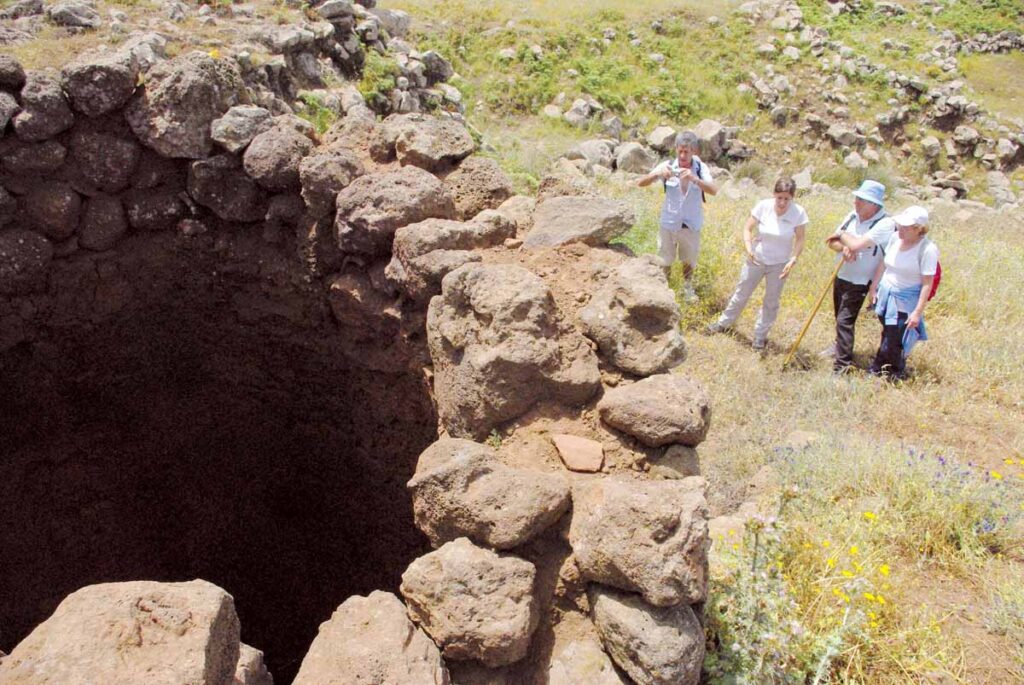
[[750, 276]]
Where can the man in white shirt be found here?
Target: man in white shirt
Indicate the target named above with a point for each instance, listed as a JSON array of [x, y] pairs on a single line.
[[686, 180], [861, 239]]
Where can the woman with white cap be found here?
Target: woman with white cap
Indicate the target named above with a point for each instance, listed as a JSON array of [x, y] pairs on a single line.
[[901, 289]]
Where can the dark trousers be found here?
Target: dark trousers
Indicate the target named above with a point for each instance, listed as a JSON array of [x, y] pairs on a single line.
[[847, 299], [889, 360]]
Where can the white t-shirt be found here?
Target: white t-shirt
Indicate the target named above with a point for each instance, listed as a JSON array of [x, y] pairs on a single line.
[[774, 242], [904, 268], [684, 203], [879, 229]]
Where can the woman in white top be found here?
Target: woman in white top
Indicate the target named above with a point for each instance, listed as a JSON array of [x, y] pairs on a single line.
[[781, 226], [904, 284]]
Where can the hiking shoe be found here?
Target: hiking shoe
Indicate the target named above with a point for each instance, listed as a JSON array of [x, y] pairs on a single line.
[[689, 294], [716, 327], [760, 344]]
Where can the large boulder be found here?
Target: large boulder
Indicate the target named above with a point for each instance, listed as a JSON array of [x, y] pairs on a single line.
[[634, 158], [461, 489], [239, 125], [649, 537], [100, 82], [590, 220], [44, 111], [103, 223], [137, 632], [74, 14], [494, 340], [653, 645], [24, 262], [12, 75], [425, 252], [53, 208], [22, 159], [156, 209], [477, 184], [659, 410], [371, 641], [374, 206], [106, 160], [422, 140], [634, 319], [582, 662], [474, 603], [662, 139], [596, 152], [219, 184], [711, 135], [173, 112], [324, 175], [272, 158]]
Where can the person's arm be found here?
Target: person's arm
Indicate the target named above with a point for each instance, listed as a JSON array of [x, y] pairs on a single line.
[[800, 234], [914, 320], [661, 172], [748, 239], [855, 242], [872, 297]]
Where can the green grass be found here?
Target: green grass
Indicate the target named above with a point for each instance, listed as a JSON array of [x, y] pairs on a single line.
[[998, 81]]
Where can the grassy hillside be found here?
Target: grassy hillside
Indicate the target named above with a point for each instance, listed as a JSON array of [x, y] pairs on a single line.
[[890, 548]]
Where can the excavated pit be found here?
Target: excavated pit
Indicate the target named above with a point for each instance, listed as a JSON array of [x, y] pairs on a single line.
[[177, 419]]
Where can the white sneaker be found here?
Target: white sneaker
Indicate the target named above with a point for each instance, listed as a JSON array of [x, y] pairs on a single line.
[[689, 294]]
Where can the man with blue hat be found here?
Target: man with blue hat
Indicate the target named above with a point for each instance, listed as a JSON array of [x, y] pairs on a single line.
[[860, 238]]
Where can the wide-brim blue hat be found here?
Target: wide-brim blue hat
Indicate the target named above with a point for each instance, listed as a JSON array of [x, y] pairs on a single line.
[[872, 191]]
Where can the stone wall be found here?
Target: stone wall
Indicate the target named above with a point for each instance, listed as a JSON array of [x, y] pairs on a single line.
[[562, 495]]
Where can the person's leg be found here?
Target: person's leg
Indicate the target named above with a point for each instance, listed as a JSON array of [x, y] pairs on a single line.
[[750, 276], [851, 299], [889, 359], [689, 248], [668, 246], [770, 307]]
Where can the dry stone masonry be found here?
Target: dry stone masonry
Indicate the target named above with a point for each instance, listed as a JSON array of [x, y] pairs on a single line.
[[561, 493]]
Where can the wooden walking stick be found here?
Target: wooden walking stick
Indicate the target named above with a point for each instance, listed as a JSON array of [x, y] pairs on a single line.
[[814, 312]]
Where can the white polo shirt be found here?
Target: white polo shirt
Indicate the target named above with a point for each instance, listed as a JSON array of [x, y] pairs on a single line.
[[682, 205], [775, 233]]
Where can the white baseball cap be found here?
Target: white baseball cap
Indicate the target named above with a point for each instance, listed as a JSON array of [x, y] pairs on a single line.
[[912, 216]]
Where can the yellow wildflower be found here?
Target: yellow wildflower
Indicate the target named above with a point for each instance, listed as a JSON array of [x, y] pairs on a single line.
[[870, 516], [215, 53], [880, 599], [884, 569], [996, 475], [847, 574], [871, 598], [854, 551], [1008, 461]]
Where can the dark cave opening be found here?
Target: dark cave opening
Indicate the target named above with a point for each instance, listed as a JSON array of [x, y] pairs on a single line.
[[186, 438]]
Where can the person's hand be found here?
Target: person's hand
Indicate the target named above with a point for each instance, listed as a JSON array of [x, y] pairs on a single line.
[[687, 175], [849, 255], [872, 296], [751, 257], [666, 173], [789, 267], [914, 320]]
